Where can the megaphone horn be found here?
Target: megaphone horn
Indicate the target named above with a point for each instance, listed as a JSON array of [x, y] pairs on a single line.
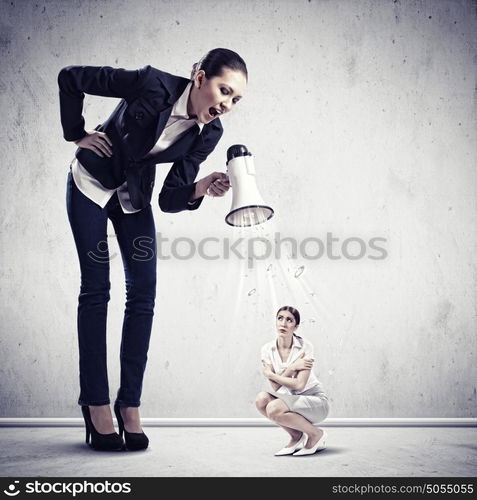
[[248, 207]]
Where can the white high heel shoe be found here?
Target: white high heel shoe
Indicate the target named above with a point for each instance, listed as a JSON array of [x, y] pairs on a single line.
[[320, 445], [290, 450]]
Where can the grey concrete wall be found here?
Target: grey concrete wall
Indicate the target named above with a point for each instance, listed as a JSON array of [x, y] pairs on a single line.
[[361, 116]]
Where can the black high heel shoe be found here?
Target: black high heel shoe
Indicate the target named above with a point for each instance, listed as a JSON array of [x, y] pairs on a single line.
[[134, 440], [103, 442]]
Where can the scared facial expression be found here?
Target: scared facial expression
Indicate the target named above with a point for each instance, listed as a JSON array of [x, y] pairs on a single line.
[[211, 98], [285, 323]]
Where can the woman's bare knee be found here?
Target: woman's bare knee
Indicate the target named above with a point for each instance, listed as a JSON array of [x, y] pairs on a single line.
[[262, 400], [275, 409]]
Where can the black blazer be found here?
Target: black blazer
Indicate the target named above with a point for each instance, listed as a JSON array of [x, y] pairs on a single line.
[[147, 97]]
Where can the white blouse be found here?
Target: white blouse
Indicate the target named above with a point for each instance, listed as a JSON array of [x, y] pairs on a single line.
[[271, 356]]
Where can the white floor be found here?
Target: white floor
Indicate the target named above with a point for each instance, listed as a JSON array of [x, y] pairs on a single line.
[[243, 452]]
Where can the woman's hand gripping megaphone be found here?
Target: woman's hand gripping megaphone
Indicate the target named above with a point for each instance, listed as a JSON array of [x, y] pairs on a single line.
[[215, 184]]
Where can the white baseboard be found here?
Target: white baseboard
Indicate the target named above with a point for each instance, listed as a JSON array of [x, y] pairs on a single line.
[[250, 422]]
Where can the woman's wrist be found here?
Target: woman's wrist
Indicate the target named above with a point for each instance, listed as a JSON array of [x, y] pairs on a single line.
[[272, 377], [200, 188]]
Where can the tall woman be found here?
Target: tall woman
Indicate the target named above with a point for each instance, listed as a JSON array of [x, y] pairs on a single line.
[[161, 118], [296, 401]]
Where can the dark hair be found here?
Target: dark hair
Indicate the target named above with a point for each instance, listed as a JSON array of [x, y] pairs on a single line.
[[292, 310], [215, 60]]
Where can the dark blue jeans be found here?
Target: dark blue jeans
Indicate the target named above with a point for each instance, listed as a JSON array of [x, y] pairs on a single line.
[[136, 237]]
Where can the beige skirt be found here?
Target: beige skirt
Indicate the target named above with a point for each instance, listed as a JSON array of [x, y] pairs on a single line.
[[310, 404]]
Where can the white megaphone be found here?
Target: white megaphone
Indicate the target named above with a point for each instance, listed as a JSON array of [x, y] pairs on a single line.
[[248, 207]]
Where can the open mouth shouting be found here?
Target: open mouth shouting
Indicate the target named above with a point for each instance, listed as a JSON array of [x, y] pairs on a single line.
[[214, 112]]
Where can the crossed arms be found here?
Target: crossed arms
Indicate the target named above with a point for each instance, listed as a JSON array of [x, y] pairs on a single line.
[[294, 377]]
